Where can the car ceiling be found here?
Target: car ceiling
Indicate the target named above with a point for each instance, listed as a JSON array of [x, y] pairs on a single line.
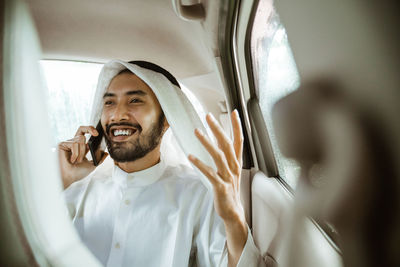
[[100, 30]]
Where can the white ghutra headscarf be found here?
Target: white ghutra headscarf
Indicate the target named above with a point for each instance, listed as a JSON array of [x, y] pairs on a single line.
[[178, 110]]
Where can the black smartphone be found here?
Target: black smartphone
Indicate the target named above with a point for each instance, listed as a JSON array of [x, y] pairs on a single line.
[[94, 143]]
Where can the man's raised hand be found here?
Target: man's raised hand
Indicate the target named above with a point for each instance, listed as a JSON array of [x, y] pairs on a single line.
[[225, 180], [72, 156]]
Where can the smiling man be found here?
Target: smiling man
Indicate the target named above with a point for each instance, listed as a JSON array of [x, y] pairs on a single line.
[[133, 122], [143, 211]]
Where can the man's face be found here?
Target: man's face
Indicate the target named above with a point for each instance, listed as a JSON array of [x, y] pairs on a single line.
[[132, 119]]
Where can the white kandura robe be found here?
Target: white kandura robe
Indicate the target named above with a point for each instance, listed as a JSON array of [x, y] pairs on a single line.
[[161, 216]]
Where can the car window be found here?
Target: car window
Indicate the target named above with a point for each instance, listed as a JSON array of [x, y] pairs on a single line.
[[71, 86], [275, 76]]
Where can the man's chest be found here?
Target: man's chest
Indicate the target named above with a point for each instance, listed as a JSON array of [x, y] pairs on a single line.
[[137, 221]]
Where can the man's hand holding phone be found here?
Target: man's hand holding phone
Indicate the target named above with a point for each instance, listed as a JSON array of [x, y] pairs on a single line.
[[72, 156]]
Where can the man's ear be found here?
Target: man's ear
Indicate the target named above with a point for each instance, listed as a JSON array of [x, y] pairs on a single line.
[[165, 125]]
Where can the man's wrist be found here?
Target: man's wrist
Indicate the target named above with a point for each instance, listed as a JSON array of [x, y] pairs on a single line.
[[237, 228], [236, 234], [236, 220]]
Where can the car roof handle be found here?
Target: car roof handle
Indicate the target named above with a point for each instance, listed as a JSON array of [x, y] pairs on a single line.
[[189, 12]]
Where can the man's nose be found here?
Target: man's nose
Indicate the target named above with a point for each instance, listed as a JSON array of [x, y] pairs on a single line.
[[120, 113]]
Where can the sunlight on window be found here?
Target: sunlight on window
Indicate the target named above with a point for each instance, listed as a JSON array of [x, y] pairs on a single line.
[[71, 87], [276, 76]]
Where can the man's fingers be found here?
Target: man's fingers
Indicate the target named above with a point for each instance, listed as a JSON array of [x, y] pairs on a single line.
[[74, 152], [77, 146], [86, 129], [82, 148], [237, 135], [64, 150], [216, 154], [66, 146], [72, 148], [206, 170], [224, 143]]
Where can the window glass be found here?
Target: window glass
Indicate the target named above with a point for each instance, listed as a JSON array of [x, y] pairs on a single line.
[[275, 75], [71, 86]]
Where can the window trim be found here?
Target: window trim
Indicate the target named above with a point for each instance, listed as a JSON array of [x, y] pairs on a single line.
[[262, 152], [226, 28]]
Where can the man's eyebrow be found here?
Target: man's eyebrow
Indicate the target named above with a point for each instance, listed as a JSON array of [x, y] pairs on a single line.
[[108, 95], [135, 92]]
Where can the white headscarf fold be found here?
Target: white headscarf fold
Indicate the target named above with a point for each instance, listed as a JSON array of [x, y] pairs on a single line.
[[178, 111]]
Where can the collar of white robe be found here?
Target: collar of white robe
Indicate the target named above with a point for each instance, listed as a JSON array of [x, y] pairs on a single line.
[[178, 110], [141, 178]]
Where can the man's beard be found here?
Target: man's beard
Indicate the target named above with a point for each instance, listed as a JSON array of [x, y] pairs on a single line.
[[144, 143]]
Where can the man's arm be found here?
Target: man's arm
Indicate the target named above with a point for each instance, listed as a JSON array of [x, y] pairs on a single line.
[[225, 180]]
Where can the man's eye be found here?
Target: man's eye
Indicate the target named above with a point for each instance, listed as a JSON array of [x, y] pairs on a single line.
[[107, 103], [135, 100]]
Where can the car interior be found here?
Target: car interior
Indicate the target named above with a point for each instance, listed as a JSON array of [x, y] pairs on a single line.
[[243, 55]]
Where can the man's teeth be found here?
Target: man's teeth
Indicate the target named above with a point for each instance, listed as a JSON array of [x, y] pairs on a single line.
[[122, 132]]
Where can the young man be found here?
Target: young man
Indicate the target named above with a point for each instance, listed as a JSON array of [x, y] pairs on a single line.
[[144, 211]]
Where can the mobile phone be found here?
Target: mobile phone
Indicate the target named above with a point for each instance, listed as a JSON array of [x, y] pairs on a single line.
[[94, 143]]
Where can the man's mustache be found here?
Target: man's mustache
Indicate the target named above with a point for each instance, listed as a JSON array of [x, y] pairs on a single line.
[[133, 125]]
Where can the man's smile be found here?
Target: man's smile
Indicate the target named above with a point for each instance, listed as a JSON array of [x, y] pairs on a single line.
[[121, 133]]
